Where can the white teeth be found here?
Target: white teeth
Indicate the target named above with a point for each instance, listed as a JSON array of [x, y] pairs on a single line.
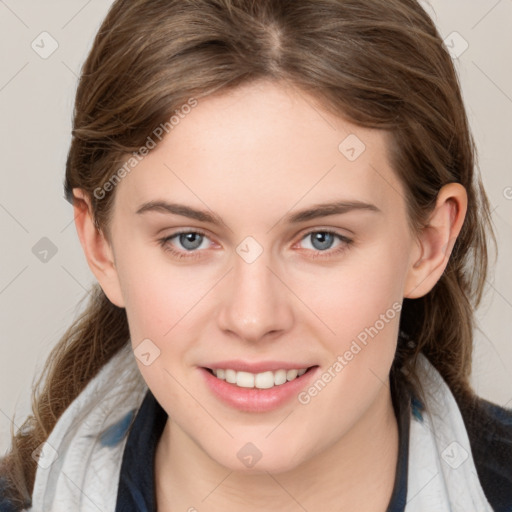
[[230, 376], [280, 377], [291, 374], [264, 380], [245, 379]]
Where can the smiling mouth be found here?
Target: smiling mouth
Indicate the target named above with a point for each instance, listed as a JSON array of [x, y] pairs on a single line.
[[263, 380]]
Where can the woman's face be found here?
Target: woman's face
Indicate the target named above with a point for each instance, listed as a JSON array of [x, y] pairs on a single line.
[[267, 278]]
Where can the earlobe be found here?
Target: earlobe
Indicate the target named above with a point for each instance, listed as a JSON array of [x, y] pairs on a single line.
[[436, 241], [97, 249]]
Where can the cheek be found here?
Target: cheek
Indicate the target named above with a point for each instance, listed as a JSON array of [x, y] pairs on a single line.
[[353, 295], [150, 306], [157, 293], [362, 306], [152, 309], [164, 304], [155, 310]]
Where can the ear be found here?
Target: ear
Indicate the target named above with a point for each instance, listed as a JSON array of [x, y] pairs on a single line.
[[97, 249], [436, 241]]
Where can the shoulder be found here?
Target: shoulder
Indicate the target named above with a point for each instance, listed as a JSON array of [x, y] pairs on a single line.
[[489, 428]]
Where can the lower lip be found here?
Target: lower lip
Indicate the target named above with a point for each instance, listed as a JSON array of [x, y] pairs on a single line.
[[254, 399]]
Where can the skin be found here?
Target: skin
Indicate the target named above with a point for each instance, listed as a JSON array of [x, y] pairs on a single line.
[[252, 156]]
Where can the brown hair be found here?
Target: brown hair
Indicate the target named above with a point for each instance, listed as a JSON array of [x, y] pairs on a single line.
[[378, 63]]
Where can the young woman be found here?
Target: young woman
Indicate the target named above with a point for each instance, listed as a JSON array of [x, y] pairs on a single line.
[[280, 204]]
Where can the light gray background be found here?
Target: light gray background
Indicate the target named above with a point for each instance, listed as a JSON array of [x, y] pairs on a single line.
[[38, 300]]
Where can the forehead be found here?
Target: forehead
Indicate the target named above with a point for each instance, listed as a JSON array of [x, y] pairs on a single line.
[[263, 147]]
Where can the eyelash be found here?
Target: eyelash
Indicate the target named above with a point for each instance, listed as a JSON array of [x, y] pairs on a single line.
[[191, 255]]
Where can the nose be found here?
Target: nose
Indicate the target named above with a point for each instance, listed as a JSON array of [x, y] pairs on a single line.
[[256, 304]]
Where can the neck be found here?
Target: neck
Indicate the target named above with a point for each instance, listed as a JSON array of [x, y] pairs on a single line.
[[365, 458]]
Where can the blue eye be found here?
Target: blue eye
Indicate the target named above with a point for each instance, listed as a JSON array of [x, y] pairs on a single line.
[[190, 241], [322, 241]]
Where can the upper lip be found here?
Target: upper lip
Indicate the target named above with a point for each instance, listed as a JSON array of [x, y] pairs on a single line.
[[256, 367]]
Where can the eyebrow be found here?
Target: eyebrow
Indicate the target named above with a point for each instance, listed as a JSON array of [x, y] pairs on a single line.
[[313, 212]]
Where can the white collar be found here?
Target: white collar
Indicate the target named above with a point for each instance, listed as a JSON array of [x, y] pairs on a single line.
[[442, 476]]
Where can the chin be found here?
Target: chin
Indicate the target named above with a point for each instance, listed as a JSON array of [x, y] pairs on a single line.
[[249, 459]]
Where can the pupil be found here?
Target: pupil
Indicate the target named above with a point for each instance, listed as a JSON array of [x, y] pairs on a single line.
[[325, 240], [187, 240]]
